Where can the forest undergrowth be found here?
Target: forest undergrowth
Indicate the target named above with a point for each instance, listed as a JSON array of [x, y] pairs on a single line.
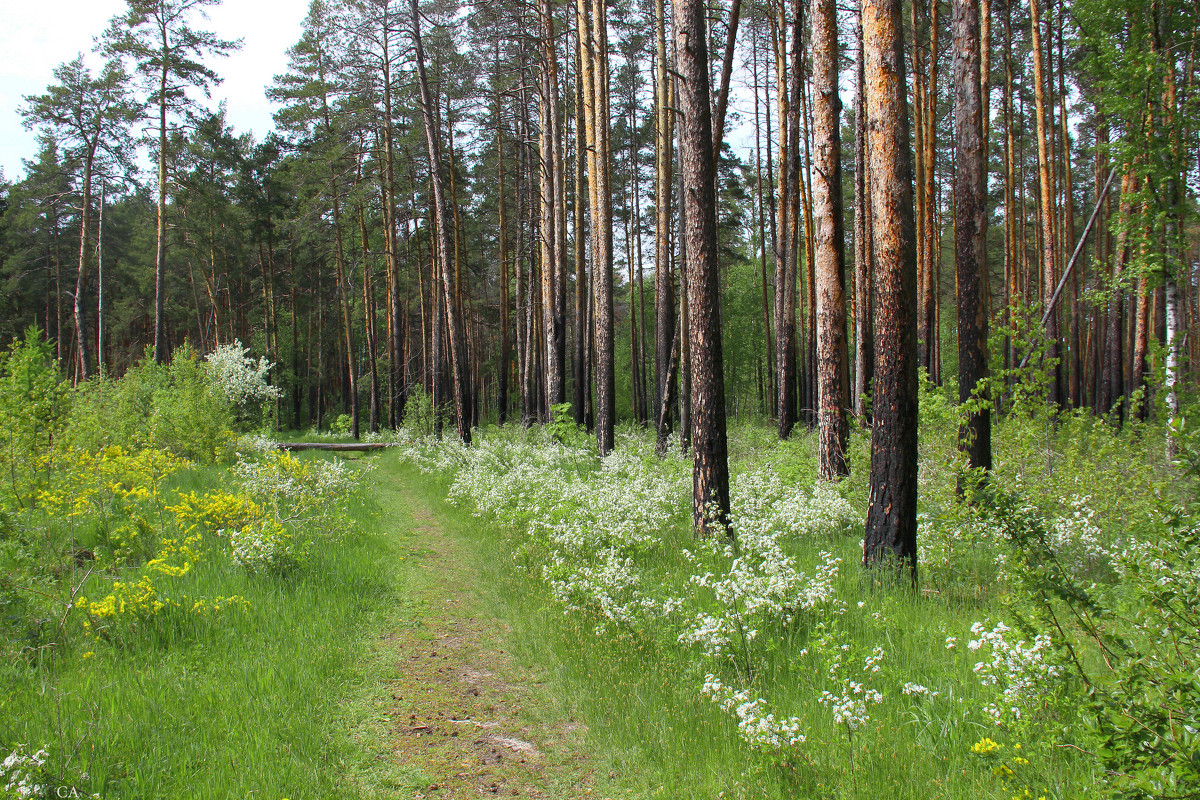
[[182, 611], [182, 606], [1049, 649]]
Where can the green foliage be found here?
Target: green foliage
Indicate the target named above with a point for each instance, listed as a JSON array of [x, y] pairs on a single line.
[[1132, 638], [418, 412], [562, 426], [176, 407], [130, 579], [34, 403]]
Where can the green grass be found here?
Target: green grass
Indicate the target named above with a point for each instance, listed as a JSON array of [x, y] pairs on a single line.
[[239, 706], [638, 690], [289, 697]]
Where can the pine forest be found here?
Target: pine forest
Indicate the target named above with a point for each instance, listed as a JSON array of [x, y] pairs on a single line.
[[643, 399]]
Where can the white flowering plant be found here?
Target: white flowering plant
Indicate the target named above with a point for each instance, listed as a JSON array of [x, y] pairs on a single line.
[[242, 380], [302, 500], [27, 773]]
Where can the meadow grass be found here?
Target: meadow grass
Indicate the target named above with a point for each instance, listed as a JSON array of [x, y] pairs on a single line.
[[243, 704], [638, 688]]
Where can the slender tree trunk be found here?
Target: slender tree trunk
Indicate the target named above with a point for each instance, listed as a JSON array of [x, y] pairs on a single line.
[[721, 101], [369, 323], [666, 346], [591, 17], [788, 244], [553, 323], [81, 279], [343, 292], [458, 356], [160, 253], [502, 370], [1113, 382], [1049, 256], [864, 266], [1138, 372], [710, 468], [891, 528], [829, 253], [583, 372], [970, 220]]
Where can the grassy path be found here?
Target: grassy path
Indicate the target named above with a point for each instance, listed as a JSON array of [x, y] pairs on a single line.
[[444, 709]]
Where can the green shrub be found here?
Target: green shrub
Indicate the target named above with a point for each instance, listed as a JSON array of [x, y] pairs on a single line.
[[34, 402], [176, 407]]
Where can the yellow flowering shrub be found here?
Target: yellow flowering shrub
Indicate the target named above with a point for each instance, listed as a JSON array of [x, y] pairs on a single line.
[[108, 480], [215, 512], [1012, 768]]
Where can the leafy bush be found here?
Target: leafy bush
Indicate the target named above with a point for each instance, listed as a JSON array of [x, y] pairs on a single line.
[[177, 407], [243, 382], [34, 403]]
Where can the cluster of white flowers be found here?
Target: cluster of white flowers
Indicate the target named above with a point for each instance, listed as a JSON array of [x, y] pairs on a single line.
[[757, 727], [762, 585], [1021, 672], [20, 772], [262, 546], [590, 528], [591, 517], [761, 501], [255, 444], [851, 705], [961, 547], [609, 587], [978, 547], [280, 476], [302, 498], [1075, 538], [917, 690], [240, 378]]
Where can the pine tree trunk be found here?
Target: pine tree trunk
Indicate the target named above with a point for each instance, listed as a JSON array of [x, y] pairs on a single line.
[[891, 528], [710, 468], [788, 92], [1113, 384], [81, 277], [160, 252], [583, 373], [591, 16], [864, 266], [458, 355], [829, 254], [1046, 194], [970, 194], [502, 369], [553, 324]]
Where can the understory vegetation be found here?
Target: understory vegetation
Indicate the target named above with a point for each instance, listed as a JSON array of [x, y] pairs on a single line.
[[1050, 650], [163, 566], [177, 604]]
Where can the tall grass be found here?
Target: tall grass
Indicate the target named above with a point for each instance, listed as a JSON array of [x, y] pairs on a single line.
[[240, 704], [941, 727]]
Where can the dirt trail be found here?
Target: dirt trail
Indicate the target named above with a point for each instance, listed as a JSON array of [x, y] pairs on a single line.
[[465, 721]]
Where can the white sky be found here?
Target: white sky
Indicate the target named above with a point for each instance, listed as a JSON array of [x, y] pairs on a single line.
[[38, 35]]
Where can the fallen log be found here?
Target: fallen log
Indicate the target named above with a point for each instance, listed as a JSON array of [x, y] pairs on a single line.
[[339, 447]]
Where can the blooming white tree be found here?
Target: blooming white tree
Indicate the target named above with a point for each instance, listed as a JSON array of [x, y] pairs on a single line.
[[241, 379]]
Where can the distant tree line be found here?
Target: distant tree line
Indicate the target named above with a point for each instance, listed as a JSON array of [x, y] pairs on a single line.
[[515, 206]]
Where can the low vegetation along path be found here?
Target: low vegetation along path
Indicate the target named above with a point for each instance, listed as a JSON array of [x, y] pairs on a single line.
[[456, 714]]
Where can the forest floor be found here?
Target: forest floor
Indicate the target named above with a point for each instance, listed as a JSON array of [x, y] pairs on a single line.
[[446, 709]]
